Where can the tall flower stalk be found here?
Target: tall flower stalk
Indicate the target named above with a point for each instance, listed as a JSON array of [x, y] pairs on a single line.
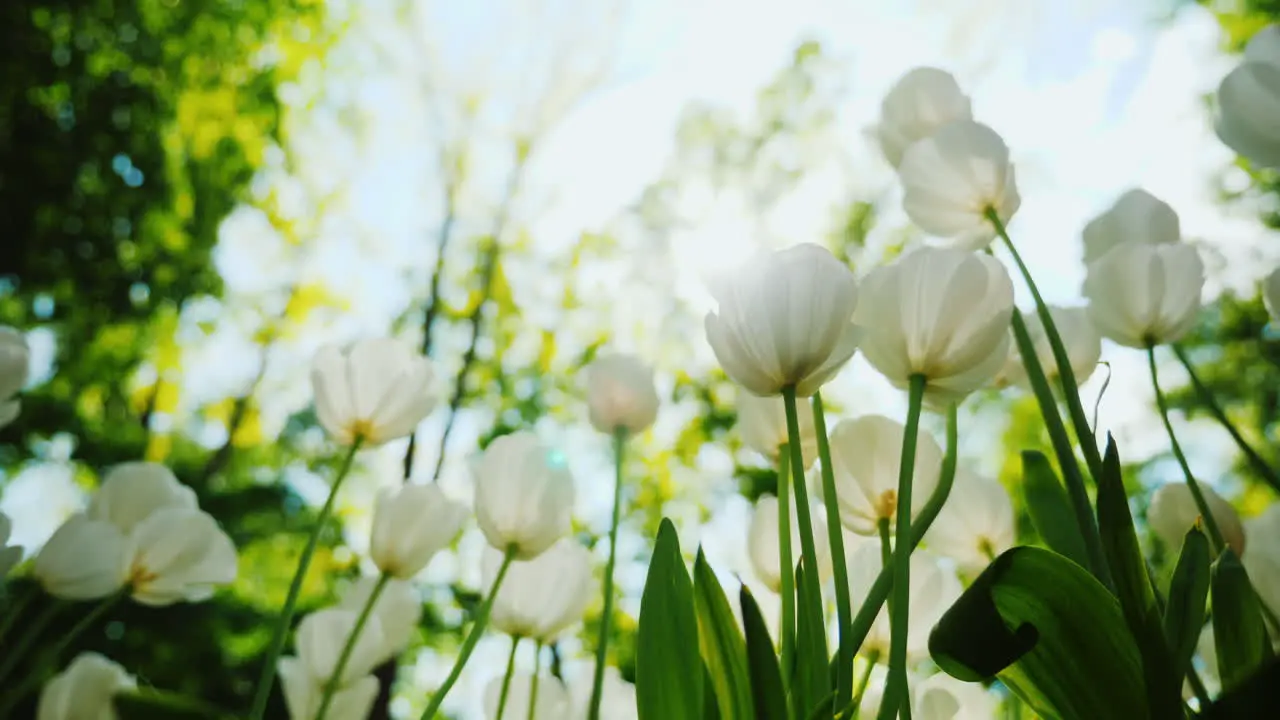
[[335, 678], [606, 617], [808, 548], [835, 537], [787, 590], [506, 678]]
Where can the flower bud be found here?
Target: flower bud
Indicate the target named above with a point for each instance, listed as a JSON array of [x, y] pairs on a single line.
[[976, 524], [620, 394], [1079, 337], [1249, 101], [524, 495], [866, 455], [410, 525], [1173, 511], [915, 107], [762, 422], [1141, 295], [1137, 216], [379, 390], [85, 690], [542, 597], [762, 542]]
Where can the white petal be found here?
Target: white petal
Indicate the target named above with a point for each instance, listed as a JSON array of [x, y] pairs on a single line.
[[180, 555], [132, 491], [542, 597], [524, 495], [321, 636], [1136, 216], [410, 526], [84, 560], [84, 690]]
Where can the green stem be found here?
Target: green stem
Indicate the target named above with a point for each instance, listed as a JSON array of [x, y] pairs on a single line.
[[335, 680], [16, 691], [808, 548], [886, 543], [533, 684], [1259, 464], [469, 645], [1210, 523], [1076, 491], [1066, 376], [34, 628], [788, 590], [619, 445], [835, 538], [895, 690], [506, 678], [268, 675], [161, 702]]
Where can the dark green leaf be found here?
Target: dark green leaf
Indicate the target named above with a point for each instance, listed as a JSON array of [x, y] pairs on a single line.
[[1050, 509], [669, 671], [766, 681], [723, 649], [710, 708], [812, 682], [1051, 632], [1255, 697], [1239, 632], [148, 705], [1188, 590]]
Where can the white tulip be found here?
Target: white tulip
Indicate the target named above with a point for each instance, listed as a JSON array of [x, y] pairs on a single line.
[[976, 523], [951, 178], [1271, 294], [85, 690], [617, 696], [131, 492], [942, 697], [1173, 511], [84, 559], [524, 495], [1262, 556], [377, 391], [10, 555], [762, 422], [544, 596], [410, 525], [1137, 216], [1079, 337], [552, 701], [15, 362], [322, 635], [933, 590], [940, 313], [1142, 295], [303, 693], [917, 105], [398, 609], [1249, 101], [179, 555], [620, 394], [784, 320], [866, 456], [762, 542]]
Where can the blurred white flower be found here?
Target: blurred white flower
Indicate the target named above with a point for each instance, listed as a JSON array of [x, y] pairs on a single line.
[[398, 609], [940, 313], [975, 524], [84, 559], [321, 636], [1137, 216], [552, 700], [15, 363], [915, 107], [942, 697], [951, 178], [1080, 338], [1249, 101], [411, 524], [1145, 294], [762, 422], [524, 495], [934, 588], [617, 696], [620, 394], [131, 492], [544, 596], [866, 456], [1262, 555], [1271, 294], [784, 319], [762, 542], [1173, 511], [303, 693], [84, 690], [179, 554], [10, 555], [378, 390]]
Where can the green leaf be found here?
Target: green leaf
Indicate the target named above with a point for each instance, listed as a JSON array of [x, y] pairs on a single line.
[[1133, 587], [1239, 632], [669, 672], [1051, 632], [1255, 697], [1188, 590], [812, 680], [762, 661], [723, 649], [1050, 509]]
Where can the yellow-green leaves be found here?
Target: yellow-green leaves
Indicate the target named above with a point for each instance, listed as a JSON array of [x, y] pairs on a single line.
[[669, 673], [721, 644]]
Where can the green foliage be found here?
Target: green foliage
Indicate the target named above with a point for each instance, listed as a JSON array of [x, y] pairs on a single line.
[[770, 699], [722, 646], [1239, 631], [669, 670], [1050, 510], [1185, 609]]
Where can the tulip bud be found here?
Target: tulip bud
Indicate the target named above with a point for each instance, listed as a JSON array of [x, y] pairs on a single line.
[[303, 693], [398, 609], [410, 525], [951, 178], [784, 320], [1262, 557], [1173, 511], [762, 542], [1137, 216], [552, 701], [617, 696], [322, 635], [377, 391], [542, 597], [866, 455], [10, 555], [934, 589], [1079, 337], [15, 361], [976, 524], [84, 559], [620, 394], [1271, 294], [524, 495], [939, 313], [1141, 295], [762, 422], [915, 107], [942, 697], [1249, 101], [85, 690], [131, 492]]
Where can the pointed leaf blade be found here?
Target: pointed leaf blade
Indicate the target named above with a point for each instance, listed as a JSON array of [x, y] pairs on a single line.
[[1185, 610], [723, 648], [766, 680], [669, 671], [1239, 632], [1050, 508]]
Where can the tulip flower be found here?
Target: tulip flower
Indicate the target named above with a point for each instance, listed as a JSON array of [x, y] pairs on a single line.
[[953, 177], [762, 422], [940, 313], [524, 495], [1079, 336], [552, 701], [933, 589], [1137, 216], [85, 690], [377, 391], [541, 597], [1172, 512], [398, 610], [15, 360], [1271, 294], [10, 555], [1144, 295], [917, 105], [620, 394], [784, 320], [84, 559], [410, 525], [303, 693], [131, 492], [762, 543], [942, 697], [866, 456], [976, 524], [321, 636], [1262, 556], [618, 697], [1249, 101]]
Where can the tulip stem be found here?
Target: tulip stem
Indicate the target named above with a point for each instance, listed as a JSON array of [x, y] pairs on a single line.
[[898, 607], [533, 683], [788, 567], [268, 675], [886, 543], [835, 538], [1259, 464], [506, 677], [469, 645], [1210, 522], [808, 548], [335, 680], [606, 616]]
